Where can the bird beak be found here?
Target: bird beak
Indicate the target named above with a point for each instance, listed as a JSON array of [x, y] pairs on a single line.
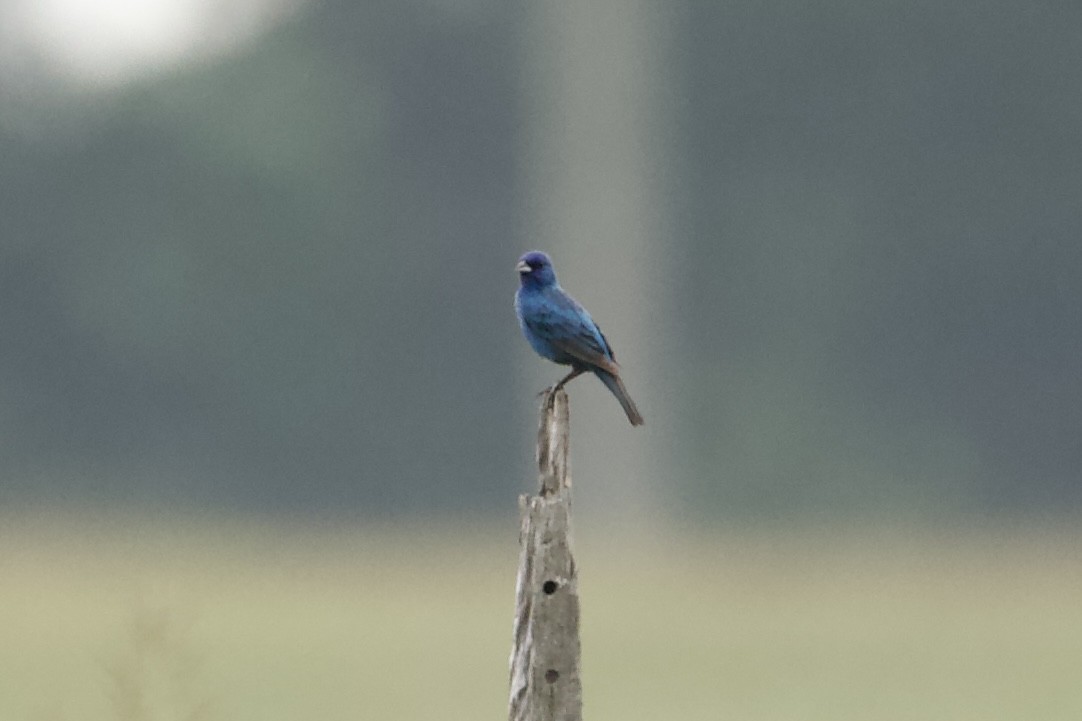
[[523, 267]]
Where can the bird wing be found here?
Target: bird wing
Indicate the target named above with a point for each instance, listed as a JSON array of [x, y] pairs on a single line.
[[565, 326], [605, 342], [584, 346], [578, 336]]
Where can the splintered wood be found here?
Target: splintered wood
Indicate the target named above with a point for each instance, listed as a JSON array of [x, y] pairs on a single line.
[[545, 683]]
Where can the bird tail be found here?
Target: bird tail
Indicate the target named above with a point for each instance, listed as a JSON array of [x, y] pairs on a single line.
[[614, 384]]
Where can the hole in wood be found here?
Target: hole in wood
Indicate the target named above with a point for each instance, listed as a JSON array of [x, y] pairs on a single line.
[[551, 675], [549, 587]]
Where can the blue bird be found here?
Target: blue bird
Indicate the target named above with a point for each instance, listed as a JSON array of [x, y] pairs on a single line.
[[561, 330]]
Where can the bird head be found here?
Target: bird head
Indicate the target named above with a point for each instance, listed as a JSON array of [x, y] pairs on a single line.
[[535, 269]]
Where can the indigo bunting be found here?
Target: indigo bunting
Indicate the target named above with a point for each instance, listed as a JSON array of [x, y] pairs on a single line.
[[561, 330]]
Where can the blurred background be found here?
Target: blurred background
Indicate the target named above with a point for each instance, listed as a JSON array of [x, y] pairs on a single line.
[[258, 352]]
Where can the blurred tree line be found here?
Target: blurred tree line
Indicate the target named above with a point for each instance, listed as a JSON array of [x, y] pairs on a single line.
[[283, 279]]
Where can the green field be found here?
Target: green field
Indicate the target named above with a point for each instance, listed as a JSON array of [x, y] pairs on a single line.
[[140, 620]]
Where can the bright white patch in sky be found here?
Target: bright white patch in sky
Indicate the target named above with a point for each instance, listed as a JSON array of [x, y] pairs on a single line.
[[103, 37], [107, 42]]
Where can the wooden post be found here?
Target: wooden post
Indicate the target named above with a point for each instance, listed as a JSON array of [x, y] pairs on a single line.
[[545, 683]]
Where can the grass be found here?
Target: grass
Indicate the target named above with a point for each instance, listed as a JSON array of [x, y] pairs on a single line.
[[144, 620]]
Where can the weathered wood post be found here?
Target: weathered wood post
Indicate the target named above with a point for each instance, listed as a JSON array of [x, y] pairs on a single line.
[[545, 683]]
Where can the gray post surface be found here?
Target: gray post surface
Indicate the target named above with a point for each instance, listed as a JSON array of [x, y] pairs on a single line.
[[545, 683]]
